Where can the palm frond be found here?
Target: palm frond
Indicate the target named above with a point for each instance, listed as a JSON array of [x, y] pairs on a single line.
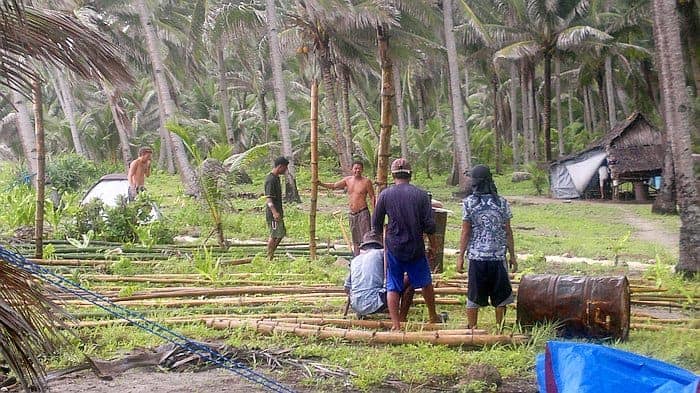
[[29, 324], [241, 160], [57, 38], [517, 51], [578, 35], [476, 26]]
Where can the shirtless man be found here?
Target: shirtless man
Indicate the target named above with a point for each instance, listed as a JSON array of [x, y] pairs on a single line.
[[139, 169], [359, 188]]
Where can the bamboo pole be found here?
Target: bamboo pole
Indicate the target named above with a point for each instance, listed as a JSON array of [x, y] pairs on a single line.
[[371, 336], [314, 168], [108, 262]]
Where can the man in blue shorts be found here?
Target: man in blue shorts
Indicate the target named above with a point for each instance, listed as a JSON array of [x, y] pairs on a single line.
[[486, 234], [410, 216]]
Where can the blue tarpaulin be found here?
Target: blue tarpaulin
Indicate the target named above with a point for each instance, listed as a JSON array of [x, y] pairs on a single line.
[[568, 367]]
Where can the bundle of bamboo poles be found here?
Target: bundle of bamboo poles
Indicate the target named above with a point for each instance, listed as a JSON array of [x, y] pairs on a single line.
[[458, 337]]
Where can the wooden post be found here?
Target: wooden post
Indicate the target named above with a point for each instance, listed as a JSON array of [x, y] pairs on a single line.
[[314, 169], [386, 115], [40, 172]]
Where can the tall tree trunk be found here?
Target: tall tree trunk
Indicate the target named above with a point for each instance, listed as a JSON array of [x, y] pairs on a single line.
[[677, 117], [187, 174], [525, 104], [40, 172], [532, 113], [331, 105], [347, 118], [557, 101], [622, 99], [461, 134], [387, 94], [665, 202], [651, 83], [121, 122], [466, 88], [166, 145], [547, 107], [314, 168], [400, 119], [587, 118], [610, 92], [67, 102], [26, 131], [570, 104], [496, 122], [224, 98], [513, 103], [291, 191], [420, 105]]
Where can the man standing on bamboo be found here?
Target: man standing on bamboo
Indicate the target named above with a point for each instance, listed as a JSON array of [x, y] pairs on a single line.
[[273, 201], [486, 234], [410, 216], [139, 170], [359, 189]]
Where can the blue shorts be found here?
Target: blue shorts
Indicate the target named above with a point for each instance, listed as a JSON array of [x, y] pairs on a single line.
[[418, 273]]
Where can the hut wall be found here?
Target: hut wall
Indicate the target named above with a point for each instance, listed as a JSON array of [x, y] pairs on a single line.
[[638, 134]]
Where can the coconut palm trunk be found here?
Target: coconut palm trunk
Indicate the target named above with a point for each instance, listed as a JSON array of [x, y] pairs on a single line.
[[557, 102], [345, 102], [224, 98], [165, 101], [525, 106], [26, 130], [496, 122], [314, 168], [291, 192], [420, 105], [547, 107], [677, 114], [67, 101], [461, 134], [121, 122], [610, 92], [665, 201], [513, 104], [331, 105], [400, 118], [40, 170], [532, 113]]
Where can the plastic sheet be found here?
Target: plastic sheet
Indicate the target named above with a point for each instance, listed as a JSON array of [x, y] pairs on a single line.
[[567, 367]]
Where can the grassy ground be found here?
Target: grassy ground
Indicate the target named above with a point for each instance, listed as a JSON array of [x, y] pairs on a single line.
[[542, 227]]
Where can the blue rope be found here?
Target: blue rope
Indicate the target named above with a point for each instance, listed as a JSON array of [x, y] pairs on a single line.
[[206, 353]]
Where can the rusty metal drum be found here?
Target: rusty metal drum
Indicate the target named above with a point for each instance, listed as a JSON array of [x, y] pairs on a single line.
[[595, 307]]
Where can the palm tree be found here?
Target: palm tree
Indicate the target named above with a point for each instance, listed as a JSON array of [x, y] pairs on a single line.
[[167, 105], [546, 29], [290, 189], [677, 113]]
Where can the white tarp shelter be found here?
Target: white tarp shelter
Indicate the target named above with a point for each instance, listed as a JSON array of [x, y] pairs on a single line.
[[108, 189], [571, 177]]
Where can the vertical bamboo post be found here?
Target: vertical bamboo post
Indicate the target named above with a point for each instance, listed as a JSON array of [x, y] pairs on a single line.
[[386, 110], [314, 168], [40, 172]]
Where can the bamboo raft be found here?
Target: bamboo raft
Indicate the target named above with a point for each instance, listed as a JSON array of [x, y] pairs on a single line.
[[458, 337]]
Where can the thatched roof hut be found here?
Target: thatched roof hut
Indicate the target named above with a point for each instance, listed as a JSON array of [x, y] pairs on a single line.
[[633, 150]]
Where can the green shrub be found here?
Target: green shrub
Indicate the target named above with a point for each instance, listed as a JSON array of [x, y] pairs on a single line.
[[70, 172]]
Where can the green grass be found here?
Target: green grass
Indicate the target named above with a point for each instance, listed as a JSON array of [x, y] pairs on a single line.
[[549, 227]]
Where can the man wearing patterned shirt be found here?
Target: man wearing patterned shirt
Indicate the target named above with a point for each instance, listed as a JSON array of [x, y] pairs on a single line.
[[486, 234]]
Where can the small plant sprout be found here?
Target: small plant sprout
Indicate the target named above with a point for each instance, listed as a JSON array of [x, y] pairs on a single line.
[[618, 245], [85, 243]]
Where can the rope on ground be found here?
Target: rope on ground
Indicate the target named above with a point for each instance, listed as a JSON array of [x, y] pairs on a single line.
[[206, 353]]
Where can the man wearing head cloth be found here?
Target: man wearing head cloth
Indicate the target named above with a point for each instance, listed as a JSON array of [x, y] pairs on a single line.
[[410, 216], [486, 235], [365, 283]]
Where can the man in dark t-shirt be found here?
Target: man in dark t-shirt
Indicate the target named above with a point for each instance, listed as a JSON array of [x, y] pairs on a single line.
[[274, 213], [410, 216]]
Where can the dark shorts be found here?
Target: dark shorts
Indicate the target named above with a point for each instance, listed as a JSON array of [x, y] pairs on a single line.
[[359, 225], [276, 228], [488, 280], [418, 273]]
